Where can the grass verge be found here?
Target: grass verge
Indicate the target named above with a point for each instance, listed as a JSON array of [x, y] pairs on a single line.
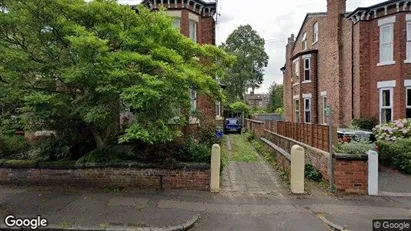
[[241, 151]]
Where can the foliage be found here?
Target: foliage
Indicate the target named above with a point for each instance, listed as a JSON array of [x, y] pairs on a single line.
[[207, 134], [310, 172], [249, 136], [279, 110], [194, 152], [363, 123], [396, 154], [13, 146], [106, 155], [248, 70], [392, 131], [239, 106], [275, 97], [20, 163], [69, 63], [353, 147], [49, 149], [257, 111]]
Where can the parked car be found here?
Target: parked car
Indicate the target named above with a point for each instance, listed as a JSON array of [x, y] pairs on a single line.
[[347, 135], [232, 125]]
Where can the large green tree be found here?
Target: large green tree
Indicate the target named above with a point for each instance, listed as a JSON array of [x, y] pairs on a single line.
[[275, 97], [248, 70], [65, 63]]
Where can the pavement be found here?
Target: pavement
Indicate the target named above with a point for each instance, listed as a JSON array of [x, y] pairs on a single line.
[[252, 197], [393, 183], [66, 207]]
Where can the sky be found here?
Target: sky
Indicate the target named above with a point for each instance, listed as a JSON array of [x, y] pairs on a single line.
[[273, 20]]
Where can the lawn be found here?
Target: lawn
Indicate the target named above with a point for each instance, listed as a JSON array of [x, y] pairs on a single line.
[[242, 150]]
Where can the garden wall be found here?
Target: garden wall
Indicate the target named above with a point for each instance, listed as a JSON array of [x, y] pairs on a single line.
[[193, 178], [350, 171]]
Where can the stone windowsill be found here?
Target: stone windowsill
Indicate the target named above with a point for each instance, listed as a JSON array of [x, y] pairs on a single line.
[[387, 63], [307, 81], [407, 61]]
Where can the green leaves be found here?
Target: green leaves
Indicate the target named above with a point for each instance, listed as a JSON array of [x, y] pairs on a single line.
[[69, 63], [251, 59]]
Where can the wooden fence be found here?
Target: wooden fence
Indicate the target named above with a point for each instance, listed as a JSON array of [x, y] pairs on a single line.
[[311, 134]]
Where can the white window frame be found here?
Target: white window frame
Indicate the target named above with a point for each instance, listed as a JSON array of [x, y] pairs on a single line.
[[307, 110], [193, 31], [218, 109], [406, 100], [193, 99], [307, 69], [175, 19], [297, 110], [315, 34], [384, 24], [304, 41], [408, 39], [324, 102], [391, 90]]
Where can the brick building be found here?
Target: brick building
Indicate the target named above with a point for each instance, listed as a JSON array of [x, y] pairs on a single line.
[[195, 19], [358, 62], [257, 101]]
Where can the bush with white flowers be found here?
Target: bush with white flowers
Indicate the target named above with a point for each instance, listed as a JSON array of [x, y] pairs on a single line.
[[392, 131]]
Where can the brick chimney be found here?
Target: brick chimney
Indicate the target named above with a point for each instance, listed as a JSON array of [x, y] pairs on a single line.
[[336, 7]]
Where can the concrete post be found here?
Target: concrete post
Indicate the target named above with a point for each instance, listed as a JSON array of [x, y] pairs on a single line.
[[297, 169], [372, 173], [215, 168]]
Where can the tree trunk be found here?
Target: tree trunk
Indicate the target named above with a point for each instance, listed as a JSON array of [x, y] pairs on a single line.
[[99, 141]]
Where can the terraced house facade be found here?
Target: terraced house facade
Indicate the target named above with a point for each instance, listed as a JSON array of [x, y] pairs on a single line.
[[357, 62]]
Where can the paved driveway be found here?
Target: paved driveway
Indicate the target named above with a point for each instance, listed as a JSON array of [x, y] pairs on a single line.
[[257, 177]]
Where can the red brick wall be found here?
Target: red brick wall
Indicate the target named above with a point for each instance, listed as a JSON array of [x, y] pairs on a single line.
[[118, 177], [368, 73], [350, 174]]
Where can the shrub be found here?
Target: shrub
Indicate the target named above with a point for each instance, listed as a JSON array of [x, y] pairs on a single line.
[[106, 155], [392, 131], [397, 154], [207, 135], [385, 154], [354, 147], [194, 152], [13, 146], [250, 136], [312, 173], [363, 123], [49, 149]]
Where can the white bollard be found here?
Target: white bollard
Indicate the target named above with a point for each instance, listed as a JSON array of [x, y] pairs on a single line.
[[297, 169], [372, 173], [215, 168]]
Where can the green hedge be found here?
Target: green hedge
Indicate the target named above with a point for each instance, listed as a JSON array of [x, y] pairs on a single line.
[[396, 154], [73, 164]]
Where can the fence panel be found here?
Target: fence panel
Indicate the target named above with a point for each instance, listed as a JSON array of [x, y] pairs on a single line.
[[311, 134]]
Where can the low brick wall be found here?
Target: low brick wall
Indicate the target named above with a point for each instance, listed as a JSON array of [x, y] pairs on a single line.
[[180, 178], [350, 171], [256, 127]]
